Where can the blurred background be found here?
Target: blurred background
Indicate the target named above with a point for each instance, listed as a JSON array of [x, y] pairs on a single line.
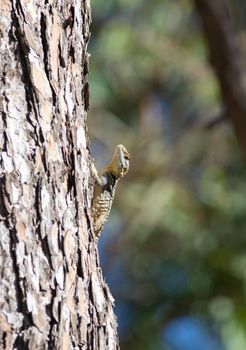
[[174, 249]]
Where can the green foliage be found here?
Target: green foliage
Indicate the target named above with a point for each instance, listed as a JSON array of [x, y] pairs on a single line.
[[180, 213]]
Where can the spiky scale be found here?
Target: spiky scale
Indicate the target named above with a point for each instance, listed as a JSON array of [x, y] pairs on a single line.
[[105, 185]]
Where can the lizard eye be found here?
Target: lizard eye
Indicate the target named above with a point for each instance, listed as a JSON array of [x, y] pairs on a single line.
[[126, 157]]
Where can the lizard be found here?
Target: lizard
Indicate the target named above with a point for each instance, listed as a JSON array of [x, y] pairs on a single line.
[[105, 183]]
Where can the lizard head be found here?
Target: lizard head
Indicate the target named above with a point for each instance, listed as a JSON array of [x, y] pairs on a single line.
[[119, 164]]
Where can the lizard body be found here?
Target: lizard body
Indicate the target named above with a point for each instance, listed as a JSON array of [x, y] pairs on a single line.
[[105, 185]]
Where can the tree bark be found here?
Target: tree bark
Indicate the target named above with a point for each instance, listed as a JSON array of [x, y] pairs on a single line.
[[52, 293], [227, 61]]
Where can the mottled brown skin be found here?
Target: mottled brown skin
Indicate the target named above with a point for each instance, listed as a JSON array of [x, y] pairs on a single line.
[[105, 185]]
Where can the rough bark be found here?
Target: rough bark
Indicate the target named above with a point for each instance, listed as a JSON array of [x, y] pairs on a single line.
[[227, 60], [52, 293]]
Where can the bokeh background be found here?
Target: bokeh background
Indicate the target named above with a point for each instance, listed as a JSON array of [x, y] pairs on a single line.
[[174, 249]]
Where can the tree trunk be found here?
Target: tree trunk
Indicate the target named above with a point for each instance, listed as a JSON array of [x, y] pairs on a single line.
[[52, 293], [227, 61]]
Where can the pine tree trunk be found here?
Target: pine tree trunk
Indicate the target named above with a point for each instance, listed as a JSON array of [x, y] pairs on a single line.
[[52, 293]]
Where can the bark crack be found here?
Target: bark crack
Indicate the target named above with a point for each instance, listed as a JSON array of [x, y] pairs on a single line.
[[20, 295], [53, 322], [45, 45], [22, 51]]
